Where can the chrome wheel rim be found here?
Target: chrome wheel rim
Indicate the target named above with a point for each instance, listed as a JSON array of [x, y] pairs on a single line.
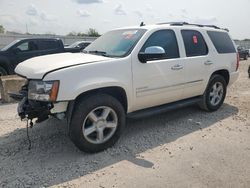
[[216, 94], [100, 125]]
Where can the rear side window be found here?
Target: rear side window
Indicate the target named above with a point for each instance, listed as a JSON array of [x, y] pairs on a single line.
[[194, 42], [222, 42], [165, 39], [48, 45]]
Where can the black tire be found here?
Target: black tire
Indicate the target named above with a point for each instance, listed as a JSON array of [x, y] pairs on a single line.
[[246, 57], [3, 72], [249, 71], [81, 111], [206, 103]]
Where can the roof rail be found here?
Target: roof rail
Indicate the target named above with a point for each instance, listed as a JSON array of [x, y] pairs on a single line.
[[198, 25]]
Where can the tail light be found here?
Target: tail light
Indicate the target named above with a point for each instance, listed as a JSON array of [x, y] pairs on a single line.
[[238, 61]]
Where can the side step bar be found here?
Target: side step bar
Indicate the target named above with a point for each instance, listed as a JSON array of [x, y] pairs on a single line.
[[163, 108]]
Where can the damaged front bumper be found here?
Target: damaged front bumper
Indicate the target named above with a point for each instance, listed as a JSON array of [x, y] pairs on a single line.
[[31, 109]]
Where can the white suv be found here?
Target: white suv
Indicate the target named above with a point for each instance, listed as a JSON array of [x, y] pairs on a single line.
[[134, 71]]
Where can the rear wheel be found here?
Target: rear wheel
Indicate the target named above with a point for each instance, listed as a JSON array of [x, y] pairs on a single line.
[[215, 94], [97, 123], [246, 57], [3, 72]]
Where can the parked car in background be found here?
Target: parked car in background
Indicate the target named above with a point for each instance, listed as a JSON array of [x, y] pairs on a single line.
[[23, 49], [249, 71], [243, 52], [79, 45], [134, 72]]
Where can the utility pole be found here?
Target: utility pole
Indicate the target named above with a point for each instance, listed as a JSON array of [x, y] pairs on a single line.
[[27, 31]]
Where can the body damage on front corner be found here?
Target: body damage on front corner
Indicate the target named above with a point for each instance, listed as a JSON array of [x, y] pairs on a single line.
[[39, 95], [40, 110]]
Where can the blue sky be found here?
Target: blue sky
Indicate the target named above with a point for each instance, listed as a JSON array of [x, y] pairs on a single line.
[[64, 16]]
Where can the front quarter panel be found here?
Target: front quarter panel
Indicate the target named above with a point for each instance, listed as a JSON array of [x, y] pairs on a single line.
[[79, 79]]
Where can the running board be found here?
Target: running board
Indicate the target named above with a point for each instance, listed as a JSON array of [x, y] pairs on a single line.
[[163, 108]]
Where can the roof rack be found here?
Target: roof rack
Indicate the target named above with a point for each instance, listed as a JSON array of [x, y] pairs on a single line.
[[198, 25]]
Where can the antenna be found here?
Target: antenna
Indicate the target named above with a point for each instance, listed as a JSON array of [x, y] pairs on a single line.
[[142, 24]]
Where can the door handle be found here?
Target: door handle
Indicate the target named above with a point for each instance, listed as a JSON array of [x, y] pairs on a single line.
[[177, 67], [208, 62]]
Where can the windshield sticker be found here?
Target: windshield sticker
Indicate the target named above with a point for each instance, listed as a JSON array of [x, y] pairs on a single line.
[[195, 40], [131, 32]]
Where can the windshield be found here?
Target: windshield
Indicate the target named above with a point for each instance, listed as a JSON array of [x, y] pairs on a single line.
[[118, 43], [10, 45]]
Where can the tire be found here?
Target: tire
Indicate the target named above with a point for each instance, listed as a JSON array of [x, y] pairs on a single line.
[[209, 102], [89, 120], [3, 72], [249, 71], [246, 57]]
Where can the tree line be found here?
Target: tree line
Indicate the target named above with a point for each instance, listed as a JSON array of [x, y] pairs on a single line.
[[90, 33]]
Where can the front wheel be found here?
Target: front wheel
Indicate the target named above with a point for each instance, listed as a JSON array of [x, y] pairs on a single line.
[[97, 123], [246, 57], [215, 94]]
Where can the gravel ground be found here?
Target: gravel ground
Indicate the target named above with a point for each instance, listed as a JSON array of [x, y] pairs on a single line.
[[182, 148]]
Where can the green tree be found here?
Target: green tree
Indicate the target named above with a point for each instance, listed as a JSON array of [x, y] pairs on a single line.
[[93, 33], [81, 34], [2, 29], [72, 33]]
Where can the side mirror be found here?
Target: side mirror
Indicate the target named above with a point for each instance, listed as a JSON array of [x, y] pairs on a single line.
[[152, 53]]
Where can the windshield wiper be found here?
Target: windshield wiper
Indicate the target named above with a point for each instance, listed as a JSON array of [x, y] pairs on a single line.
[[98, 53]]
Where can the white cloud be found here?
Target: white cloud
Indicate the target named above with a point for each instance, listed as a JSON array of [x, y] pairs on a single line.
[[88, 1], [47, 17], [33, 21], [184, 11], [83, 13], [138, 13], [149, 8], [106, 21], [211, 20], [119, 10], [31, 10]]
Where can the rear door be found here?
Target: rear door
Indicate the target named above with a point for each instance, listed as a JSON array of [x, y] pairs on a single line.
[[49, 46], [197, 63]]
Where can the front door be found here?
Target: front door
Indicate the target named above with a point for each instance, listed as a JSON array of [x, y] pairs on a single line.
[[158, 81]]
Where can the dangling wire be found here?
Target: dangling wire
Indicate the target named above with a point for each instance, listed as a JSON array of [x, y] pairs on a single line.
[[27, 130]]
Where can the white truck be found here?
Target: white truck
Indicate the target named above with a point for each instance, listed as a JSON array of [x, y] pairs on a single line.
[[129, 72]]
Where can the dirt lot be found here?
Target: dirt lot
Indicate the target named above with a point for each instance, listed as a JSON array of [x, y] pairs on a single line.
[[182, 148]]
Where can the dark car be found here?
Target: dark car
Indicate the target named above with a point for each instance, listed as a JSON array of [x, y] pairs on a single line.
[[79, 45], [243, 53], [249, 71], [23, 49]]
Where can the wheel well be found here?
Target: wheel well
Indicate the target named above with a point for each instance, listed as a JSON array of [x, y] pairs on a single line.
[[116, 92], [223, 73]]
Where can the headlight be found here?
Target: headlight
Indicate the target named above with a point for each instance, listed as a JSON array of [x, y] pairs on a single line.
[[43, 90]]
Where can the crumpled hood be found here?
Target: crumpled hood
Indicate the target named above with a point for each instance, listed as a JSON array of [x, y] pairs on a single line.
[[37, 67]]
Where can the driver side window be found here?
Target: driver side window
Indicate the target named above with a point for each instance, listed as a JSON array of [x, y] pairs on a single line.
[[165, 39]]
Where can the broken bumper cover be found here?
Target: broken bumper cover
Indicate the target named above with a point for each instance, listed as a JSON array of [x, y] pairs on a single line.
[[33, 109]]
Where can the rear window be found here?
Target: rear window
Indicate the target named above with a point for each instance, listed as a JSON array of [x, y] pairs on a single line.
[[194, 42], [48, 45], [222, 42]]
